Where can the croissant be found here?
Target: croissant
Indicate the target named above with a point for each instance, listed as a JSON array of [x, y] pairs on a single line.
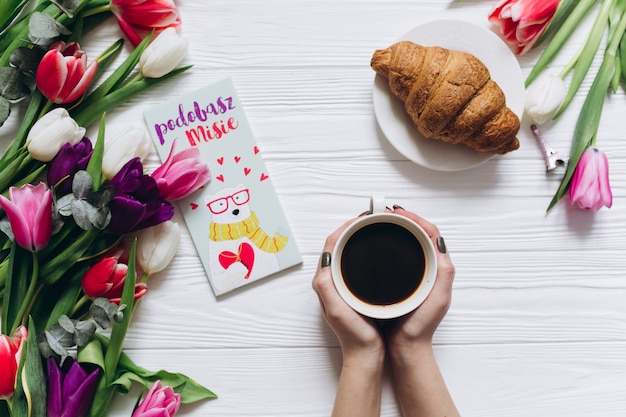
[[449, 96]]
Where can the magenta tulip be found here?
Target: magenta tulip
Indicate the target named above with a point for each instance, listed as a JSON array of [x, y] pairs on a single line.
[[63, 75], [10, 356], [136, 18], [589, 187], [181, 174], [522, 22], [160, 401], [29, 211]]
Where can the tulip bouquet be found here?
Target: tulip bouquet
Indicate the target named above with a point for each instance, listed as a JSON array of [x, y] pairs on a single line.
[[527, 23], [83, 225]]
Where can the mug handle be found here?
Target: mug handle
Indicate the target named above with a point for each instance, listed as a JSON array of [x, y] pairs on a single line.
[[377, 204]]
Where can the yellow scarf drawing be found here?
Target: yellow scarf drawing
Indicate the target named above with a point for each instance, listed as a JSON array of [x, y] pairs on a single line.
[[248, 228]]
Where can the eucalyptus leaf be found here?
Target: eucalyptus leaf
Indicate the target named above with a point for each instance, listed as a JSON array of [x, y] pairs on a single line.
[[64, 205], [67, 324], [79, 214], [42, 28], [62, 336], [5, 227], [66, 6], [56, 346], [84, 332], [26, 59], [5, 110], [82, 184], [12, 85]]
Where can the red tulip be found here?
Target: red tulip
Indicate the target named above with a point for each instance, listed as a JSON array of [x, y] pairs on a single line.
[[589, 187], [160, 401], [106, 279], [63, 75], [10, 355], [136, 18], [522, 22], [181, 174], [29, 211]]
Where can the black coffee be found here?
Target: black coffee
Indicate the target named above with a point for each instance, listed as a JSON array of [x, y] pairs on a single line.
[[382, 263]]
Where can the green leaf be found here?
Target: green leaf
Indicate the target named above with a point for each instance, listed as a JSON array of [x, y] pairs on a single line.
[[30, 394], [94, 168], [587, 54], [55, 268], [15, 289], [560, 37], [587, 124], [563, 10], [92, 353]]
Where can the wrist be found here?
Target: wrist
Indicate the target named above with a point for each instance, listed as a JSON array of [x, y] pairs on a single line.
[[407, 354], [366, 360]]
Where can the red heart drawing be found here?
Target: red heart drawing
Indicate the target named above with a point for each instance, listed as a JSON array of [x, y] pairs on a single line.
[[246, 171], [237, 159], [263, 177], [193, 206], [220, 178], [220, 160], [256, 150], [245, 255]]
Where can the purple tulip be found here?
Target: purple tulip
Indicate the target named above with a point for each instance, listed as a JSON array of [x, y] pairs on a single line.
[[136, 203], [589, 187], [29, 210], [68, 161], [70, 388]]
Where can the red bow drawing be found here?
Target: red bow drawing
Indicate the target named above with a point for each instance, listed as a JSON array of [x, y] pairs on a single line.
[[245, 255]]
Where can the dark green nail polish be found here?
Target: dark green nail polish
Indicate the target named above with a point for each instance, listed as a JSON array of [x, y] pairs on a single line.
[[441, 245], [366, 212], [395, 207], [325, 259]]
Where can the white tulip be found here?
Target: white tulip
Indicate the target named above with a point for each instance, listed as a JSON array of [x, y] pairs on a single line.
[[156, 246], [51, 132], [123, 146], [544, 97], [163, 54]]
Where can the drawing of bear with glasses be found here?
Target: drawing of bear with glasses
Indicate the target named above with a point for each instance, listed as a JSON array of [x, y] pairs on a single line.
[[239, 249]]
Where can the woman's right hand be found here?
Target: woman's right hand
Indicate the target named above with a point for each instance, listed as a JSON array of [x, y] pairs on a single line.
[[417, 328]]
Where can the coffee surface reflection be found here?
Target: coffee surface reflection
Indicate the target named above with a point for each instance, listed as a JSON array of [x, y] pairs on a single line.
[[382, 263]]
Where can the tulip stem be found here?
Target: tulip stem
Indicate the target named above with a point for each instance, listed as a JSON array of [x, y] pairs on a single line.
[[81, 302], [30, 296]]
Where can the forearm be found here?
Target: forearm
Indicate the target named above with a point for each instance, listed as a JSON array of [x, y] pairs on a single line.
[[419, 385], [359, 389]]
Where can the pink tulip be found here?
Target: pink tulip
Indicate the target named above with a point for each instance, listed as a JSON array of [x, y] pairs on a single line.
[[29, 211], [589, 187], [522, 22], [10, 355], [160, 401], [136, 18], [106, 279], [181, 174], [63, 75]]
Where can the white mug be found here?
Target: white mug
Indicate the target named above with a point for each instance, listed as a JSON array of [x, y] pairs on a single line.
[[384, 265]]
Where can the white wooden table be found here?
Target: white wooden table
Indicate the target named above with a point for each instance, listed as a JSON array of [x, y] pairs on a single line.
[[538, 321]]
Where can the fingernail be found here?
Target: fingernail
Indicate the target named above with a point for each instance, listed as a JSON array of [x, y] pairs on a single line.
[[395, 207], [441, 245], [325, 262], [366, 212]]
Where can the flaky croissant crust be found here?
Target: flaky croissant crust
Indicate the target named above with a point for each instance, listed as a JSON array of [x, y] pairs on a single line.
[[449, 96]]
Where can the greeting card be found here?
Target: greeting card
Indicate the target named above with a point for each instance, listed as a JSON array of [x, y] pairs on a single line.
[[236, 221]]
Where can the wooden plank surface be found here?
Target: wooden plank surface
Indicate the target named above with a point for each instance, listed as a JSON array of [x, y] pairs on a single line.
[[538, 321]]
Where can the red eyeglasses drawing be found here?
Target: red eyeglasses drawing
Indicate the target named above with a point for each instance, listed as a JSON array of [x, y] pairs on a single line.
[[220, 205]]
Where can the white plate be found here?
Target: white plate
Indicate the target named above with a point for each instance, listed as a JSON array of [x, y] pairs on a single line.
[[461, 36]]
